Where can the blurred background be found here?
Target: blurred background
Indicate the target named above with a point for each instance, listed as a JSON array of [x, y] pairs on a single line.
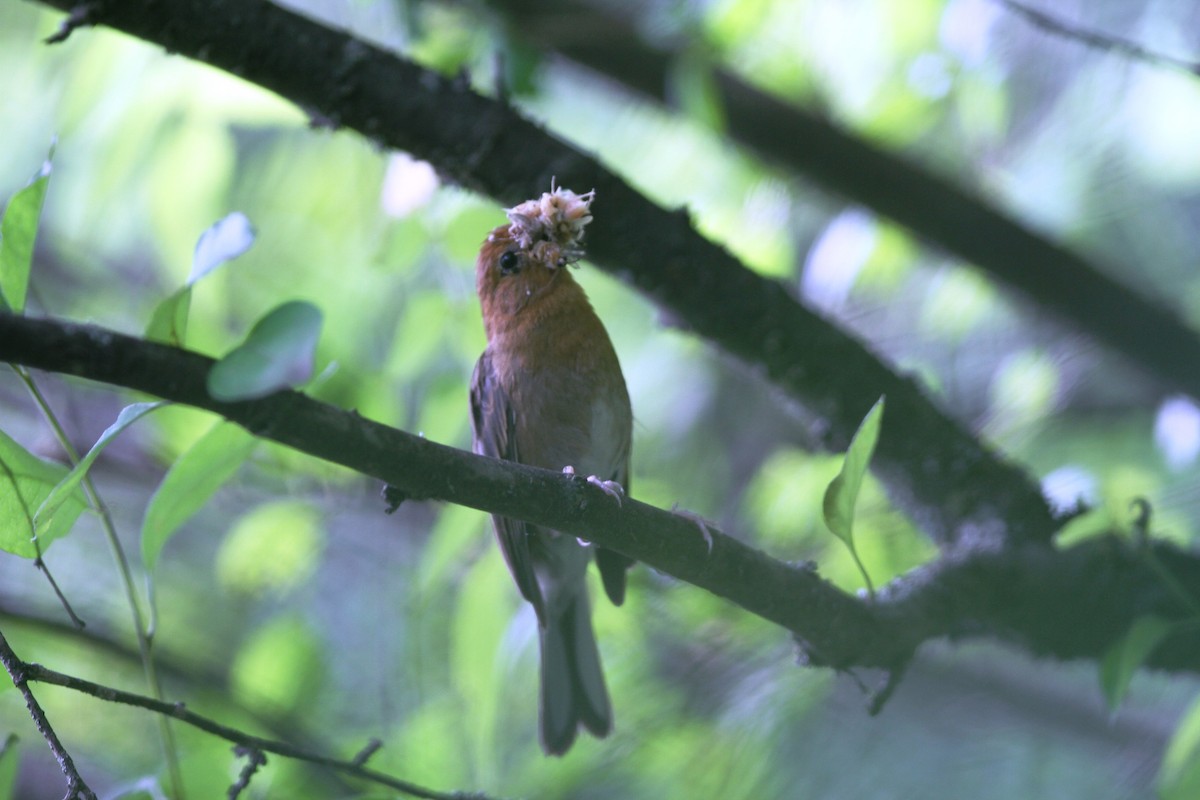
[[291, 606]]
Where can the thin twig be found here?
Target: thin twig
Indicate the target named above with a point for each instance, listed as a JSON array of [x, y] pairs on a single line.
[[17, 670], [36, 672], [1099, 41]]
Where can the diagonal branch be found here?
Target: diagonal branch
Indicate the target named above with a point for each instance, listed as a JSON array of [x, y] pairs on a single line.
[[935, 209], [19, 672], [946, 480], [1069, 604]]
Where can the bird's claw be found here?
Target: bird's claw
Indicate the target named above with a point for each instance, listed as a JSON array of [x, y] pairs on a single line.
[[610, 488], [700, 523]]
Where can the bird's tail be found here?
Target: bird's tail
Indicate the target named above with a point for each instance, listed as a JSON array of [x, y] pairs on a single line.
[[573, 689]]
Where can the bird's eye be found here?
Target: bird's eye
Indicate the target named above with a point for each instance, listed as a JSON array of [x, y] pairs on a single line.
[[509, 262]]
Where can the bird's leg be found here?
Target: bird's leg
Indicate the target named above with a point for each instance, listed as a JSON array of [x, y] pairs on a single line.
[[610, 488]]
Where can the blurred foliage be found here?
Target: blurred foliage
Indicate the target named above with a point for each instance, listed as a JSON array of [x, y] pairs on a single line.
[[289, 605]]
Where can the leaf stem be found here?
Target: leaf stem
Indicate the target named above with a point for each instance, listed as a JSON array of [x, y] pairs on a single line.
[[170, 750]]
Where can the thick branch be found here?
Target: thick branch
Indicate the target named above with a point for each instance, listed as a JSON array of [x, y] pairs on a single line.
[[1067, 604], [938, 211], [945, 479]]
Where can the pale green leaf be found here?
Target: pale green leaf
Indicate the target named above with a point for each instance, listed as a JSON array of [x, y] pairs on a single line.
[[1126, 655], [18, 230], [25, 482], [44, 520], [842, 494], [278, 354], [190, 482], [227, 239]]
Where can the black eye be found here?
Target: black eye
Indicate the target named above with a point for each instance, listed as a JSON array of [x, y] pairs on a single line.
[[509, 262]]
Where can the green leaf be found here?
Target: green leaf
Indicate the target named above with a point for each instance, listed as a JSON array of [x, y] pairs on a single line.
[[10, 759], [33, 479], [1128, 654], [278, 354], [43, 520], [227, 239], [1179, 775], [18, 230], [190, 482], [168, 323], [842, 494]]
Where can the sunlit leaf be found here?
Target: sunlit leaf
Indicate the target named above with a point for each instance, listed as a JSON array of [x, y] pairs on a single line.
[[18, 230], [278, 354], [44, 518], [190, 482], [842, 494], [273, 548], [227, 239], [1128, 654]]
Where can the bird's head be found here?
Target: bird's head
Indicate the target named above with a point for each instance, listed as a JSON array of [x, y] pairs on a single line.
[[524, 261]]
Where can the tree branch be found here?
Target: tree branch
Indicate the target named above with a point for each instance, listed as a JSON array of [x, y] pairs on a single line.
[[20, 673], [1069, 604], [946, 480], [943, 214]]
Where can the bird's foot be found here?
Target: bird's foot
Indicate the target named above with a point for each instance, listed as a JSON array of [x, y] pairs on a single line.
[[700, 523], [610, 488]]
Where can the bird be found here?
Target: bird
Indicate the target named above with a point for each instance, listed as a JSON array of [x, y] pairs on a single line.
[[548, 391]]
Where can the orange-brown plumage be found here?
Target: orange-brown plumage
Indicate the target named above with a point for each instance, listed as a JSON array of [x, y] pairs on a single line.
[[548, 391]]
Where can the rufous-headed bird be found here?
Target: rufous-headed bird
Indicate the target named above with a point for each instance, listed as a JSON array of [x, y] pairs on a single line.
[[548, 392]]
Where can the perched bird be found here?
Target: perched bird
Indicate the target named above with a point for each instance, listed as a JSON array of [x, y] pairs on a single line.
[[548, 391]]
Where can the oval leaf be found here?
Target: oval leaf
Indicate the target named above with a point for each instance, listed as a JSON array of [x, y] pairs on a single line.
[[227, 239], [190, 482], [43, 520], [18, 230], [842, 494], [278, 354], [1128, 654], [25, 482]]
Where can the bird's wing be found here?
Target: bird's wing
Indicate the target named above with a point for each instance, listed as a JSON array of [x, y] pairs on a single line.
[[493, 427]]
